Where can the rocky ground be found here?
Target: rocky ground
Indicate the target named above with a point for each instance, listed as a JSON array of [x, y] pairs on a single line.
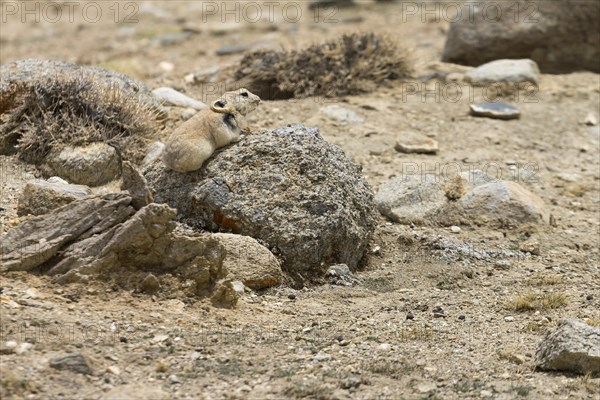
[[435, 312]]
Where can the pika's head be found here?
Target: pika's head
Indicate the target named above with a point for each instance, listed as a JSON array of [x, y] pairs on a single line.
[[241, 101]]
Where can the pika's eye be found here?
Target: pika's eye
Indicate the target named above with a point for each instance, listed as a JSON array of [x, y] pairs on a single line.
[[244, 94]]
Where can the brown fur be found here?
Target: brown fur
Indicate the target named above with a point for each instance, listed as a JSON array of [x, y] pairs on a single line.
[[194, 141]]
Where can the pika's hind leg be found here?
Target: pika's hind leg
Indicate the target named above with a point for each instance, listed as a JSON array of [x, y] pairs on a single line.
[[185, 156]]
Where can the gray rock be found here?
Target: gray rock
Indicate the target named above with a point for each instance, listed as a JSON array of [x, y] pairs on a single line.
[[175, 98], [32, 70], [233, 49], [40, 196], [154, 152], [172, 38], [341, 115], [35, 241], [560, 36], [248, 261], [573, 346], [495, 202], [411, 198], [496, 110], [75, 362], [150, 284], [339, 270], [506, 71], [92, 165], [225, 295], [288, 188], [341, 275], [467, 199], [135, 183], [207, 75]]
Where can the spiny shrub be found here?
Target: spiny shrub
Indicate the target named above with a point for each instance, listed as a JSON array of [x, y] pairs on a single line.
[[73, 111], [352, 64]]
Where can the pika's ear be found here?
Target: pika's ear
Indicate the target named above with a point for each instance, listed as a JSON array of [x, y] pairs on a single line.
[[220, 106]]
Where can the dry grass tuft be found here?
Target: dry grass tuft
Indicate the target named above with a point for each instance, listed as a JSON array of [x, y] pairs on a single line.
[[351, 64], [74, 111], [545, 280], [530, 301]]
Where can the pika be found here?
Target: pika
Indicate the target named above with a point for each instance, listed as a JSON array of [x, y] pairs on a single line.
[[194, 141]]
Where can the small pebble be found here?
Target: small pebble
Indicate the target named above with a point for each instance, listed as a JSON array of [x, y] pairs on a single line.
[[384, 347], [292, 296], [166, 66], [461, 317], [589, 297], [113, 369], [150, 284], [350, 383], [499, 110], [455, 229], [410, 316]]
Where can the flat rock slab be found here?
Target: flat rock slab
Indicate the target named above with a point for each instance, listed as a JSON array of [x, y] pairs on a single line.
[[496, 110], [40, 196], [505, 71], [419, 144], [573, 346], [104, 235], [75, 362]]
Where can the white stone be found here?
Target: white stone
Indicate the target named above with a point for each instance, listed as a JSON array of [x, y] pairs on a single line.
[[166, 66], [175, 98], [341, 115], [512, 71], [384, 347]]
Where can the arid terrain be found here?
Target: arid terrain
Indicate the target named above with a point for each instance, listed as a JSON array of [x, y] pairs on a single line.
[[384, 337]]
